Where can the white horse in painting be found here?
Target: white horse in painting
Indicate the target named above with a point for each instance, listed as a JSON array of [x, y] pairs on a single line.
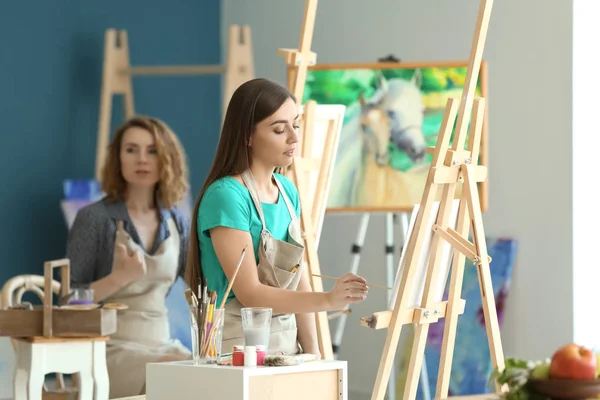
[[394, 113]]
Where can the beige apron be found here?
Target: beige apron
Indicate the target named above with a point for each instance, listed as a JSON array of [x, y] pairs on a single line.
[[143, 332], [276, 259]]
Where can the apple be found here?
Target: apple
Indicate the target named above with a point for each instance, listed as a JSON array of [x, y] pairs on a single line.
[[598, 368], [573, 361]]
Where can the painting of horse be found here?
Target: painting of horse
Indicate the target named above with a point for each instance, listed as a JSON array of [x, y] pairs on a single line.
[[393, 114]]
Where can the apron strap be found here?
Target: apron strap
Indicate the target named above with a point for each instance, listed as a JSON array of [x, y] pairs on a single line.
[[249, 182], [287, 201]]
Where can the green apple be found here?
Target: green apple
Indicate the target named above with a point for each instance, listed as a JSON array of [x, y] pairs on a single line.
[[598, 367], [541, 371]]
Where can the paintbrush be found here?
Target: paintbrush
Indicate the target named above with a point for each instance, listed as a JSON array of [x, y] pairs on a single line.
[[286, 360], [237, 269], [218, 316], [192, 301], [339, 313], [211, 308], [368, 284], [191, 297], [203, 319], [199, 309]]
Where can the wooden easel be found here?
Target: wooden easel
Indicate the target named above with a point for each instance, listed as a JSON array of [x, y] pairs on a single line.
[[450, 166], [298, 61], [117, 74], [301, 58], [313, 209]]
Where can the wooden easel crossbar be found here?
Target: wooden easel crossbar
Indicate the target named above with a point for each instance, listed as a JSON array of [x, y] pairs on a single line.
[[117, 74], [450, 166]]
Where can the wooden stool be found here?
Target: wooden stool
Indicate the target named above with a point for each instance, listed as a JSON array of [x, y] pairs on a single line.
[[38, 356]]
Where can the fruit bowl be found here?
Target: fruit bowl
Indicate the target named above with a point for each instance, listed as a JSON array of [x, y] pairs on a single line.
[[566, 389]]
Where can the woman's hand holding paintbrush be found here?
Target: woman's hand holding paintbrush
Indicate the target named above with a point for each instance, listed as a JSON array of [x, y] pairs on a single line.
[[349, 287]]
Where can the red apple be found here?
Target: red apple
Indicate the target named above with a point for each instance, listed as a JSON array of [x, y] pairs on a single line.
[[573, 361]]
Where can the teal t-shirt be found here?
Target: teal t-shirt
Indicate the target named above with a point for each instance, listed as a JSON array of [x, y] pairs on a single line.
[[227, 203]]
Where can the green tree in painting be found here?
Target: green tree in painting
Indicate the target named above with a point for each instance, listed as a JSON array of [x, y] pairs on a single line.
[[339, 86]]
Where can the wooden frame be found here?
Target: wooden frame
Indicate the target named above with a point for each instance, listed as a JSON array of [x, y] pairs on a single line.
[[117, 74], [450, 166], [381, 169]]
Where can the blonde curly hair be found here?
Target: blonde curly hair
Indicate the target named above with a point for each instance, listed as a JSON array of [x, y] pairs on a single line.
[[173, 177]]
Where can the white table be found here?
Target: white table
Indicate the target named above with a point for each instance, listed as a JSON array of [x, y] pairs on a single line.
[[38, 356], [182, 380]]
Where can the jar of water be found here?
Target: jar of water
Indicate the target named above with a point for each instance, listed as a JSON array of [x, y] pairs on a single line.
[[256, 324]]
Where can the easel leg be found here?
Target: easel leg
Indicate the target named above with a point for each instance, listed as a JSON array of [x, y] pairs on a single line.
[[114, 81], [389, 251], [424, 373], [356, 249], [488, 300], [451, 319], [389, 255]]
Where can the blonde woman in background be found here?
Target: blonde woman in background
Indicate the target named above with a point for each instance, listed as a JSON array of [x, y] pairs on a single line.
[[130, 247]]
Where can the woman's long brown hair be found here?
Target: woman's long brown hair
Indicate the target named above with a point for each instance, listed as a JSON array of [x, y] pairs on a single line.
[[251, 103]]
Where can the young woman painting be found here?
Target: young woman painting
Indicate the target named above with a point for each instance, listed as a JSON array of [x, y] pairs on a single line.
[[244, 202]]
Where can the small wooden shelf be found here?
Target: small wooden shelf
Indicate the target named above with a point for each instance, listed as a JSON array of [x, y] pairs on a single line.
[[65, 323]]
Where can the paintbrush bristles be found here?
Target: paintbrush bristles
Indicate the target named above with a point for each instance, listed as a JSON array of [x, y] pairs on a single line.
[[191, 298], [285, 360]]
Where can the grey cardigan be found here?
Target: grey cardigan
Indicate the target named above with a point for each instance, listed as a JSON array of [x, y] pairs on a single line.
[[91, 239]]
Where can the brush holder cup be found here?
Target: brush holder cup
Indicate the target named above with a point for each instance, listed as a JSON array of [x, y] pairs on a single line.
[[207, 335]]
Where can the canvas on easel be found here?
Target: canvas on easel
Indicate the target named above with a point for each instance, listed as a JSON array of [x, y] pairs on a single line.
[[452, 164], [319, 149], [446, 253], [394, 112]]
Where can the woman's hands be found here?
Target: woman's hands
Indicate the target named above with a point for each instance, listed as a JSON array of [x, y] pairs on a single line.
[[128, 267], [349, 288]]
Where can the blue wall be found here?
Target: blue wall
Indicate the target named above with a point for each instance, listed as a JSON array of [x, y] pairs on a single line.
[[50, 74]]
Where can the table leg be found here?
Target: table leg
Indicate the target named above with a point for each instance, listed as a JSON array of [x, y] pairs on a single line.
[[37, 372], [21, 373], [99, 371]]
